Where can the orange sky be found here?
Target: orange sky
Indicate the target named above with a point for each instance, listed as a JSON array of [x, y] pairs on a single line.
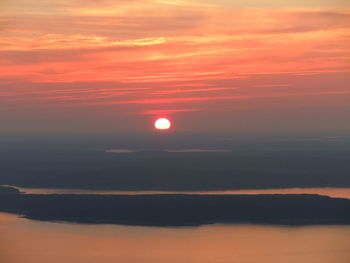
[[210, 65]]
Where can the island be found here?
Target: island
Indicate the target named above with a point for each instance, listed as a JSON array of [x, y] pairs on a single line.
[[178, 209]]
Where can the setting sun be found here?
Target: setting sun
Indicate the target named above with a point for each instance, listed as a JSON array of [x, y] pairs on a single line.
[[162, 124]]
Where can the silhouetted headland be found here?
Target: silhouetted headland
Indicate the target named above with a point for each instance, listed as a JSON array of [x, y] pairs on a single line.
[[8, 190]]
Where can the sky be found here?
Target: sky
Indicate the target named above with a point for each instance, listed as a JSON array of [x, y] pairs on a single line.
[[223, 66]]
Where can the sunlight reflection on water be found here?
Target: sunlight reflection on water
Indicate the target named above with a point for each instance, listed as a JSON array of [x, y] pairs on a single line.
[[29, 241], [331, 192]]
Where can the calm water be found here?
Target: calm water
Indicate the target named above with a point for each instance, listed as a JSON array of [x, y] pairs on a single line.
[[28, 241], [332, 192]]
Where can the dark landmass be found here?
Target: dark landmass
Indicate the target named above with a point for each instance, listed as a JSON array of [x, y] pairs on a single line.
[[8, 190], [180, 210], [253, 163]]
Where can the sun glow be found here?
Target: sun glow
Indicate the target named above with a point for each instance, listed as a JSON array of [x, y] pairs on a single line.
[[162, 124]]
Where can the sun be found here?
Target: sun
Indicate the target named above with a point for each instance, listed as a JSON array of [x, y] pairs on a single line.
[[162, 124]]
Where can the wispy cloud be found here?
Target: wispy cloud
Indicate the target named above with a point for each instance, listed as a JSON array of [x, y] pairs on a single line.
[[165, 111], [172, 151]]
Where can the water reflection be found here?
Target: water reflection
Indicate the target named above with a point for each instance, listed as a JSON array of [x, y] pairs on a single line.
[[29, 241], [331, 191]]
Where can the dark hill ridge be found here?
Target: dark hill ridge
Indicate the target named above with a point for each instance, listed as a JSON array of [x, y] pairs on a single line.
[[180, 210]]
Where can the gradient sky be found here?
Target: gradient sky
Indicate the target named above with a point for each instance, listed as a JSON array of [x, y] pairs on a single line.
[[114, 65]]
